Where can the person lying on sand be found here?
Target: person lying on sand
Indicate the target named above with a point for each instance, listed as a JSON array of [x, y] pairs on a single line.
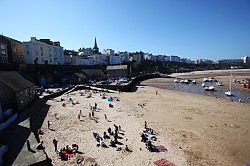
[[127, 149], [143, 138], [105, 136], [110, 105]]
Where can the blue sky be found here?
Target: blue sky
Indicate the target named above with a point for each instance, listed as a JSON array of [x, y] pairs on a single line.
[[212, 29]]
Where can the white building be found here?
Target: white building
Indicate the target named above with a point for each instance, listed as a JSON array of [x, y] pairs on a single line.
[[147, 56], [100, 59], [124, 56], [86, 51], [137, 57], [88, 61], [185, 60], [113, 59], [230, 61], [109, 52], [246, 59], [174, 58], [43, 51]]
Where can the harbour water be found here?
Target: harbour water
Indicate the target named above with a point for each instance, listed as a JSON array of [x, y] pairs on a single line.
[[219, 92]]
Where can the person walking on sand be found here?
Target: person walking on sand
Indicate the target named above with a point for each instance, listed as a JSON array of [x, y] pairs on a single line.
[[105, 116], [95, 106], [55, 144], [48, 124], [156, 92], [146, 125], [28, 145], [80, 112], [79, 116], [93, 114]]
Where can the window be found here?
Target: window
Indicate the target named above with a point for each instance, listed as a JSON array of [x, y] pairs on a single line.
[[2, 46], [3, 52], [28, 52], [41, 54], [41, 48], [50, 60]]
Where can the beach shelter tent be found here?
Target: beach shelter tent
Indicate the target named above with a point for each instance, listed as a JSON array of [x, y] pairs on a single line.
[[110, 99]]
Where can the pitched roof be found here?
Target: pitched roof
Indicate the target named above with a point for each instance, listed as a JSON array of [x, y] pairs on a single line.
[[117, 67], [81, 75], [92, 71], [14, 80]]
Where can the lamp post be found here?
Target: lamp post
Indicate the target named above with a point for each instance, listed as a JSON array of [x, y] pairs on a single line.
[[130, 66]]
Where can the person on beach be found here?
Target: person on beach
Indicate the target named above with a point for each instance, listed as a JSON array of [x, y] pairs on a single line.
[[80, 112], [95, 106], [93, 114], [116, 137], [116, 127], [105, 136], [28, 145], [109, 131], [146, 125], [105, 116], [79, 116], [40, 132], [49, 124], [55, 144], [156, 92], [90, 115], [119, 127], [143, 138]]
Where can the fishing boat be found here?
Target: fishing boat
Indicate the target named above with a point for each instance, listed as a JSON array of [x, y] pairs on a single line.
[[219, 83], [207, 80], [209, 88], [181, 81], [193, 81], [176, 81], [203, 84], [229, 93], [186, 81]]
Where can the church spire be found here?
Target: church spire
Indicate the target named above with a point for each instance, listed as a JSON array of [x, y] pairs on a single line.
[[96, 49], [95, 46]]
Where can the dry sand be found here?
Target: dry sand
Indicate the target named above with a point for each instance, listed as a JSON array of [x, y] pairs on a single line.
[[196, 130]]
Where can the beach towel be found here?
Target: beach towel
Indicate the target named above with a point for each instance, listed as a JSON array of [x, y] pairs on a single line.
[[161, 148], [163, 162]]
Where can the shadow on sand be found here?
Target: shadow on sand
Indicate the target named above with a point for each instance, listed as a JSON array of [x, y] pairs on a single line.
[[15, 136]]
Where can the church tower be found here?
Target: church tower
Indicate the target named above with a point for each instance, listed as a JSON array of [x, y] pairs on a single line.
[[95, 48]]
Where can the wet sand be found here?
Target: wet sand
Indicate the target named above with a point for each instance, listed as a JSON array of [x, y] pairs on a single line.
[[196, 129]]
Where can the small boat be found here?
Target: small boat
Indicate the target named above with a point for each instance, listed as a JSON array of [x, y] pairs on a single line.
[[181, 81], [194, 82], [176, 81], [207, 80], [203, 84], [229, 93], [186, 81], [219, 83], [209, 88]]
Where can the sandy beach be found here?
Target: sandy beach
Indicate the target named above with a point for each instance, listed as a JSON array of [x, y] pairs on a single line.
[[195, 129]]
